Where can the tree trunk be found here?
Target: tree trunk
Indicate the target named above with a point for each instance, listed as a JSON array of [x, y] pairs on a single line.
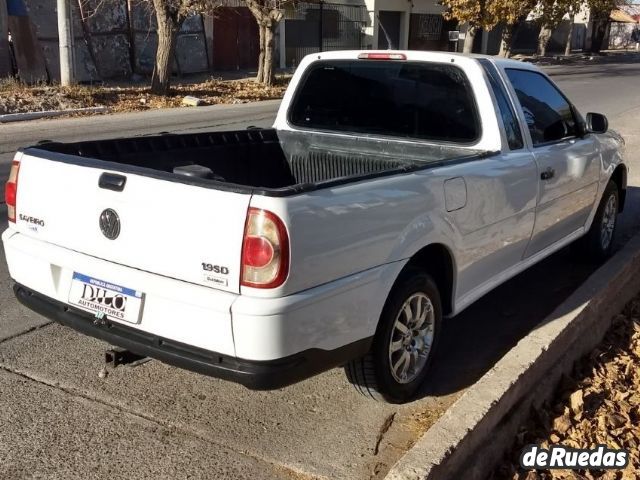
[[543, 40], [267, 20], [168, 28], [468, 39], [599, 30], [567, 47], [267, 70], [263, 36], [506, 43]]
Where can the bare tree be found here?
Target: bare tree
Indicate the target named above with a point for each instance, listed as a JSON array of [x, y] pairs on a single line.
[[572, 19], [268, 14], [170, 15]]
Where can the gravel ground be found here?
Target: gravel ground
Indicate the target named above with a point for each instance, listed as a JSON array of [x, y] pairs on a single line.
[[16, 97], [599, 405]]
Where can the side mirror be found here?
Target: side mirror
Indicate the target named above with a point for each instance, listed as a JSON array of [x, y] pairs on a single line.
[[597, 123]]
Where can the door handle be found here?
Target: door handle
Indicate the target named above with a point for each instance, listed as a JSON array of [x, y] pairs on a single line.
[[112, 181], [547, 174]]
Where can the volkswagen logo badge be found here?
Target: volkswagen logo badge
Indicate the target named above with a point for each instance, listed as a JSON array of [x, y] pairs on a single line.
[[110, 224]]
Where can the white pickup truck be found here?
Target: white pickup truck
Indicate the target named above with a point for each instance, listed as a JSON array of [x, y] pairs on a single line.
[[394, 189]]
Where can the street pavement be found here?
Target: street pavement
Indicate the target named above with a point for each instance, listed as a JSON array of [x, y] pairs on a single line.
[[61, 417]]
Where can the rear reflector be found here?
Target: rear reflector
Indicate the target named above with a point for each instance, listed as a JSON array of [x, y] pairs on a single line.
[[11, 189], [382, 56], [265, 250]]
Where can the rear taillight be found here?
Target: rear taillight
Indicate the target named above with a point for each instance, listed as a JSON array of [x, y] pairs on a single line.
[[265, 250], [11, 189]]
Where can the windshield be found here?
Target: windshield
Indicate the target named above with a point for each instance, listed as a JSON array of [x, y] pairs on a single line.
[[401, 99]]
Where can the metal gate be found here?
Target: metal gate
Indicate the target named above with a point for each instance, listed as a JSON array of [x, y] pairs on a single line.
[[317, 27]]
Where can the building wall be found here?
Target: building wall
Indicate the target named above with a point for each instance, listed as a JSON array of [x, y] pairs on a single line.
[[619, 35], [406, 8], [115, 40]]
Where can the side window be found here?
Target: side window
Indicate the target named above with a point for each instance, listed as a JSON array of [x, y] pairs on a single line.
[[546, 110], [509, 120]]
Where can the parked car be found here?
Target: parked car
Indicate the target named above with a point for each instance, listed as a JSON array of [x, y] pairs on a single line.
[[394, 189]]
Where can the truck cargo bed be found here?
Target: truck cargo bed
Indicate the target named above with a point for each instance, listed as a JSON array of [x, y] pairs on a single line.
[[258, 158]]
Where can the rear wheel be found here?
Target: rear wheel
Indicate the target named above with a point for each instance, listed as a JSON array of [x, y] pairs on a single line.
[[404, 343], [598, 242]]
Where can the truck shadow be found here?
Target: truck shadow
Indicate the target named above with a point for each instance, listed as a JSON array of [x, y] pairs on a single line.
[[475, 340]]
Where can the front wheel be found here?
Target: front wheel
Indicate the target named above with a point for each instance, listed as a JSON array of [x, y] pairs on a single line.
[[404, 343], [598, 242]]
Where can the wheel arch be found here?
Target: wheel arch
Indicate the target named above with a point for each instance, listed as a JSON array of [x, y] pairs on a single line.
[[437, 260], [619, 177]]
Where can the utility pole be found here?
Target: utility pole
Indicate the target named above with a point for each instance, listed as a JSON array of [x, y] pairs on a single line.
[[5, 59], [65, 38]]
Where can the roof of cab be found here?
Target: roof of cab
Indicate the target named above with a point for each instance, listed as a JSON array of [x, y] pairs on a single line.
[[426, 55]]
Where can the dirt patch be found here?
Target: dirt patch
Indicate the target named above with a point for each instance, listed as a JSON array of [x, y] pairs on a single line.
[[19, 98], [599, 405], [399, 433]]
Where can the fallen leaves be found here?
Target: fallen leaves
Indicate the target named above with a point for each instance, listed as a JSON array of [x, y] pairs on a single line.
[[600, 405], [18, 98]]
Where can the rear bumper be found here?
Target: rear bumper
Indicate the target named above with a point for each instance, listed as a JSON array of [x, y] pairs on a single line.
[[256, 375]]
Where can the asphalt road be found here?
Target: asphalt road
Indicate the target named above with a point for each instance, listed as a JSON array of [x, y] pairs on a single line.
[[59, 418]]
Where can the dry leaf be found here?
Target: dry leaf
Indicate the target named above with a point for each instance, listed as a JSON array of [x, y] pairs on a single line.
[[576, 401], [562, 424], [601, 406]]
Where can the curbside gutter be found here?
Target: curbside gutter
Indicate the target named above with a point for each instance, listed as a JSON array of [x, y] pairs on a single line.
[[19, 117], [474, 433]]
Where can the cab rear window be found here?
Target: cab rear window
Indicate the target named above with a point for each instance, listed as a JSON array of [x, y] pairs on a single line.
[[418, 100]]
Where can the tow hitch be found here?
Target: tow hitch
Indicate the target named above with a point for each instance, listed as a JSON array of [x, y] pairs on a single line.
[[119, 356]]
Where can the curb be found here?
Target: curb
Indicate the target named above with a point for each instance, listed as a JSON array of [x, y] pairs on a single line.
[[475, 432], [20, 117]]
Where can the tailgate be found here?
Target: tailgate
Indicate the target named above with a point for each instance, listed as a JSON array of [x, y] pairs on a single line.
[[182, 231]]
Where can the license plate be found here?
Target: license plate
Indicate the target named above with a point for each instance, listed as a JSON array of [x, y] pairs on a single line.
[[105, 299]]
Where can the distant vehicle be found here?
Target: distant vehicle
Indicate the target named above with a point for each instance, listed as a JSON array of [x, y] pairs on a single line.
[[394, 189]]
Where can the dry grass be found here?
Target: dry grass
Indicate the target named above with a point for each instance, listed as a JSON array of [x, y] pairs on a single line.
[[600, 405], [16, 97]]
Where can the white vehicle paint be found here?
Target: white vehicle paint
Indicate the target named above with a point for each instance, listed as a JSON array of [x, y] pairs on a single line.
[[474, 221]]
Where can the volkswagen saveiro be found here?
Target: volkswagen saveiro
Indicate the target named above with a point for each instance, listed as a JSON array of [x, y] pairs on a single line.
[[394, 189]]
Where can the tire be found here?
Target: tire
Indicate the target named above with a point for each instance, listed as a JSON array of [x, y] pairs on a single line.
[[374, 375], [597, 244]]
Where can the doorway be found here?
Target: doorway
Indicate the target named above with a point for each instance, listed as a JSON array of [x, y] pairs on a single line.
[[235, 39]]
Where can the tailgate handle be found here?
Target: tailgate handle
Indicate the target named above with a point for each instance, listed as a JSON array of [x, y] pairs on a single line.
[[111, 181]]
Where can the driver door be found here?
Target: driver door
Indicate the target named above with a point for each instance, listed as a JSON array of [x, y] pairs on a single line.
[[568, 165]]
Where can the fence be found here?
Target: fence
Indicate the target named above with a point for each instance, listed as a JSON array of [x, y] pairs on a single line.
[[113, 39], [317, 27]]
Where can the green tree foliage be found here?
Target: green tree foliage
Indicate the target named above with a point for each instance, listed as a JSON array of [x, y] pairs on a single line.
[[486, 14], [600, 12], [549, 14]]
